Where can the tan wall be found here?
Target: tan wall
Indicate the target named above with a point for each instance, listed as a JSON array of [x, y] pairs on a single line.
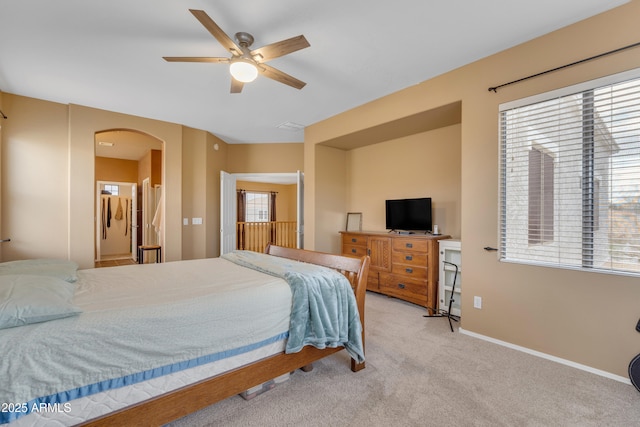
[[330, 199], [202, 163], [265, 158], [422, 165], [156, 167], [217, 154], [150, 166], [288, 212], [585, 318], [193, 192], [35, 187], [116, 170]]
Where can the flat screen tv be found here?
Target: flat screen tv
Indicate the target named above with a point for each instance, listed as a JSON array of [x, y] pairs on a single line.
[[409, 214]]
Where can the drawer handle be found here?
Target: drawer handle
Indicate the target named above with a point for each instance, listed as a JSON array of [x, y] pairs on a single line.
[[409, 270], [401, 285], [409, 245], [408, 258], [353, 240], [353, 251]]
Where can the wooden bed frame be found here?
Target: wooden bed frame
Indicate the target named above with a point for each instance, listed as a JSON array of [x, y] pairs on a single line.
[[178, 403]]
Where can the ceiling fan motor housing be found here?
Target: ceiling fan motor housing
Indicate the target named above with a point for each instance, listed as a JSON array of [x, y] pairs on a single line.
[[244, 39]]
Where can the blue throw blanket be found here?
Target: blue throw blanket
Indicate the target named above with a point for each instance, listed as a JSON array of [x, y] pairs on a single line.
[[324, 310]]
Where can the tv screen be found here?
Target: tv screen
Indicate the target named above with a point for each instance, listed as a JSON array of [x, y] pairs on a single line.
[[409, 214]]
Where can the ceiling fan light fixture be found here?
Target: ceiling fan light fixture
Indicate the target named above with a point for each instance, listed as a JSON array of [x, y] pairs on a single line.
[[243, 70]]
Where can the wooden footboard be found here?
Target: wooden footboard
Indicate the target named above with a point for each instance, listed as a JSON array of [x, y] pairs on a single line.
[[178, 403], [356, 270]]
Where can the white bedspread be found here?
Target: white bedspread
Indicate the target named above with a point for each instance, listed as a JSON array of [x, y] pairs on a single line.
[[140, 322]]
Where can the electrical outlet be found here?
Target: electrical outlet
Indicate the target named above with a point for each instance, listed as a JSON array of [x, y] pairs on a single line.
[[477, 302]]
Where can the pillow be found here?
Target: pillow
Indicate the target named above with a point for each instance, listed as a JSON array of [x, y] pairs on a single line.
[[26, 299], [63, 269]]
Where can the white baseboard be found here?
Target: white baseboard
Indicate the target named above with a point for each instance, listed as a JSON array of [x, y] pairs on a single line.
[[548, 357]]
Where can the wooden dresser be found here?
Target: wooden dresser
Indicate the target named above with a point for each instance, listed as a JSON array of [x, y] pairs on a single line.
[[404, 266]]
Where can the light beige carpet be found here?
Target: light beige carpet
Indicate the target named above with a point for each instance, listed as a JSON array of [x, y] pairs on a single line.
[[420, 374]]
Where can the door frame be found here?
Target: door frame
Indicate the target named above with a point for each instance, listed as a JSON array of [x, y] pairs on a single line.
[[228, 203], [134, 219]]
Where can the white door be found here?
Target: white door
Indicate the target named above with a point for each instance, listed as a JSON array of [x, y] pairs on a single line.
[[148, 210], [98, 221], [134, 222], [227, 212], [300, 212]]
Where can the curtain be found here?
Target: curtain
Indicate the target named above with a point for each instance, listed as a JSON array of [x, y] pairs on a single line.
[[272, 215], [272, 207], [240, 217], [241, 205]]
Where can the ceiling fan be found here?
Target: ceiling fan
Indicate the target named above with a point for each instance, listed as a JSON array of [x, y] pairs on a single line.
[[246, 64]]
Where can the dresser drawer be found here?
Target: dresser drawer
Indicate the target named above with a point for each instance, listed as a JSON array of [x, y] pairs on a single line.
[[353, 250], [412, 272], [410, 258], [410, 244], [405, 288], [354, 239]]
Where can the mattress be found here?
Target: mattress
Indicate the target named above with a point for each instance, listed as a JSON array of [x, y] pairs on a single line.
[[93, 406], [179, 322]]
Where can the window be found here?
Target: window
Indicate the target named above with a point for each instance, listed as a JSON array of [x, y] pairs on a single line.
[[570, 177], [257, 207], [114, 190]]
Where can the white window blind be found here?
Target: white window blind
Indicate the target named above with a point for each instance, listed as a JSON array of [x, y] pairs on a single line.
[[570, 177]]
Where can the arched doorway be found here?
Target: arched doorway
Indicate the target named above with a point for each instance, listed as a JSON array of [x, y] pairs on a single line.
[[129, 161]]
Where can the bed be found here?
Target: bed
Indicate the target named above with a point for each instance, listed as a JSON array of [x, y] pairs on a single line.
[[203, 330]]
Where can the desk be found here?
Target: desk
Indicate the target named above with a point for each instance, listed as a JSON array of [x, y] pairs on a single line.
[[143, 248]]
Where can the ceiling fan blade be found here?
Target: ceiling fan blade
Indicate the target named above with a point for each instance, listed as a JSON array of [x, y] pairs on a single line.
[[281, 48], [279, 76], [216, 31], [236, 86], [194, 59]]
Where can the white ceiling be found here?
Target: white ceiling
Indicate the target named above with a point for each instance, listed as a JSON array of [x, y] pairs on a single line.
[[108, 54], [125, 144]]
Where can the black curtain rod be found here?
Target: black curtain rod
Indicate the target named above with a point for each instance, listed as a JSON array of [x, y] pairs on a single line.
[[495, 88], [256, 191], [2, 115]]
